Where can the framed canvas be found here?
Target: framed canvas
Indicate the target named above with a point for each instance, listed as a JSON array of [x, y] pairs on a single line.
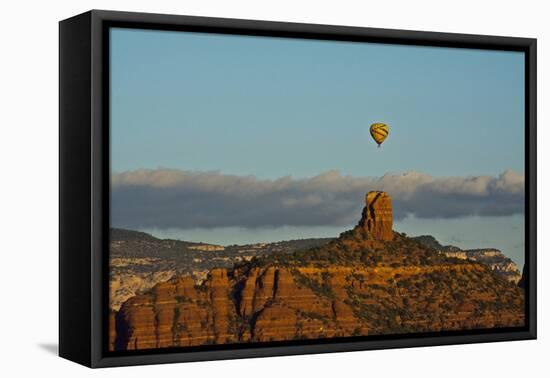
[[235, 188]]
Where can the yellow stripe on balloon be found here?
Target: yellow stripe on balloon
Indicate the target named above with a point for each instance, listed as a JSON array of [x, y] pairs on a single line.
[[379, 132]]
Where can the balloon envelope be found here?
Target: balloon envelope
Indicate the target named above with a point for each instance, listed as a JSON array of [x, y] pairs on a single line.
[[379, 132]]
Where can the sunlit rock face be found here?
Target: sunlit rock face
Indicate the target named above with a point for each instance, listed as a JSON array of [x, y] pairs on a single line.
[[377, 215], [368, 281]]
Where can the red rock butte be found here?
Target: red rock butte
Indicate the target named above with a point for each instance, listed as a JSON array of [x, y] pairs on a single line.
[[368, 281], [377, 216]]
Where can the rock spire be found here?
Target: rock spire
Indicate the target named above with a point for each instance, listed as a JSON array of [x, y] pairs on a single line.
[[377, 216]]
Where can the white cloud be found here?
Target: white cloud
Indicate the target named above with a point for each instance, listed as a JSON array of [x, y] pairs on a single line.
[[166, 198]]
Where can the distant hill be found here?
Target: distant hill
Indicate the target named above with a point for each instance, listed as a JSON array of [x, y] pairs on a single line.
[[119, 234], [432, 242], [492, 257], [130, 243]]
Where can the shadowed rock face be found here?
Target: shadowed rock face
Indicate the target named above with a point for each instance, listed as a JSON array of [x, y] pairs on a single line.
[[377, 215], [369, 281]]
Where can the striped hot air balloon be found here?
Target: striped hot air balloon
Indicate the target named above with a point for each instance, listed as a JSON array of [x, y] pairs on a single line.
[[379, 132]]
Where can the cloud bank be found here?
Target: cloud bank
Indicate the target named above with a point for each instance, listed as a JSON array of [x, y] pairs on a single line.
[[167, 198]]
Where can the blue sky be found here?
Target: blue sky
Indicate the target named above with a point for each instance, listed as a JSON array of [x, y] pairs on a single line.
[[274, 107]]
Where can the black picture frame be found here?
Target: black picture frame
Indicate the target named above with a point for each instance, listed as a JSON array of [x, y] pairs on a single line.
[[84, 185]]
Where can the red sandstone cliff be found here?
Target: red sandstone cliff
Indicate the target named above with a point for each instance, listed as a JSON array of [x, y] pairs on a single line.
[[368, 281]]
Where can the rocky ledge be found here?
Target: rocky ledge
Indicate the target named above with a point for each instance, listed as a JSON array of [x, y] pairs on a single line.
[[492, 257]]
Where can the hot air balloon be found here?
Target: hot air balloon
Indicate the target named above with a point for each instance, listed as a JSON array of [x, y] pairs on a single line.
[[379, 132]]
